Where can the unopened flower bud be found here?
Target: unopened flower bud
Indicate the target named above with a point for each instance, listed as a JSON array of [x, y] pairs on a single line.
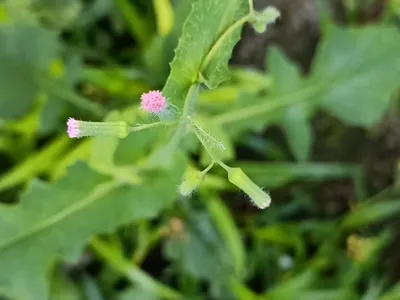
[[191, 181], [260, 27], [269, 15], [78, 129], [237, 177], [262, 19]]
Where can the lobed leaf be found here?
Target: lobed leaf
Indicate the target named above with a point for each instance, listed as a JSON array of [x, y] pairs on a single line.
[[229, 232], [208, 20], [294, 119], [54, 221], [25, 53]]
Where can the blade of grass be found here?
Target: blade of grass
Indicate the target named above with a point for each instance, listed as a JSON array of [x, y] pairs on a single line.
[[132, 272]]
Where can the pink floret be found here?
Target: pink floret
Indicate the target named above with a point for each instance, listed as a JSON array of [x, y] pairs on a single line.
[[72, 128], [153, 101]]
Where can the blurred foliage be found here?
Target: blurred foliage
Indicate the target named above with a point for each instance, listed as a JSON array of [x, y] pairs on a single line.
[[101, 218]]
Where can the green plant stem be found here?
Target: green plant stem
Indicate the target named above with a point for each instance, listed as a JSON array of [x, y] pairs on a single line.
[[188, 109], [132, 272], [205, 171], [209, 151], [190, 100], [147, 126], [263, 108], [251, 7]]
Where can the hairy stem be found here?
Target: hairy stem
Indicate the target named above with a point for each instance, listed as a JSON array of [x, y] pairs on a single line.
[[147, 126], [188, 109], [264, 108], [209, 151]]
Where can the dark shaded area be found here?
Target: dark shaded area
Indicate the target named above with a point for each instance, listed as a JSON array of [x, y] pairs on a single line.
[[297, 33]]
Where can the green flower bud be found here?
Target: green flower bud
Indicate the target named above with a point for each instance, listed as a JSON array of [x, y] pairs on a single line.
[[191, 181], [269, 15], [78, 129], [237, 177], [262, 19], [260, 27]]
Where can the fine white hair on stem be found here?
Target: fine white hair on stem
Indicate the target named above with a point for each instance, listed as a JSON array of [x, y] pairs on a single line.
[[208, 138]]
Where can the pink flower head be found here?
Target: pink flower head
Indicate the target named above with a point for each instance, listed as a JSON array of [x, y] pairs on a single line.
[[72, 129], [153, 101]]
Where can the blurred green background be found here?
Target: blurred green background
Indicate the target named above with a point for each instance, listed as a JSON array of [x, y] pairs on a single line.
[[311, 114]]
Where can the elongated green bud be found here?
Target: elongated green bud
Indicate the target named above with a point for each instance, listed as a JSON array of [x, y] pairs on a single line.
[[237, 177], [77, 129], [191, 181]]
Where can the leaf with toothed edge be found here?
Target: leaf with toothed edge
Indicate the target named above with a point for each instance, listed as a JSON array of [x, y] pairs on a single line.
[[208, 20], [55, 221]]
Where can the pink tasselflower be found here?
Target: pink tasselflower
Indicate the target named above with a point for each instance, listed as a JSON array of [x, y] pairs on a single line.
[[72, 128], [154, 102]]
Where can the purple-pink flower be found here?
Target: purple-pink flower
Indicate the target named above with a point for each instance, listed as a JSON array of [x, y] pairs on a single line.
[[154, 102], [72, 129]]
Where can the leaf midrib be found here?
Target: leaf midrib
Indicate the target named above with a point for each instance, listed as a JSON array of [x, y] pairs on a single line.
[[98, 192]]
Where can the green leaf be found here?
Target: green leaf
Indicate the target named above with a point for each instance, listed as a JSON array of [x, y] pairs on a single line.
[[229, 232], [55, 221], [201, 254], [285, 235], [333, 294], [35, 164], [22, 66], [137, 23], [161, 51], [59, 13], [136, 293], [354, 74], [369, 213], [207, 22], [291, 287], [63, 288], [273, 175], [91, 288], [69, 73], [112, 255], [295, 118], [299, 132], [360, 68], [392, 294], [164, 15]]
